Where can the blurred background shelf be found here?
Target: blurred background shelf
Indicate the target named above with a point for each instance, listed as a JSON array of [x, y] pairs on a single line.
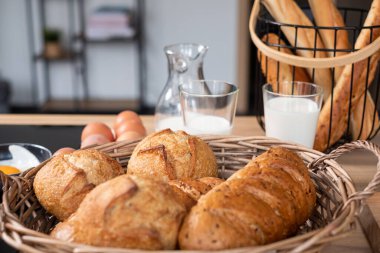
[[67, 56], [110, 40], [89, 106], [74, 47]]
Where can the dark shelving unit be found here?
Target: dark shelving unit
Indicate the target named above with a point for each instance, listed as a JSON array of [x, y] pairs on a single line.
[[76, 54]]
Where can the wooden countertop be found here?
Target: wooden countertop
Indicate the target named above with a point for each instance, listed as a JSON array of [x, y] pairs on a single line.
[[360, 165]]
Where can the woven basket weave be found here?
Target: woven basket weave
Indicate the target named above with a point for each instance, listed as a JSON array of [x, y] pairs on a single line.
[[25, 225]]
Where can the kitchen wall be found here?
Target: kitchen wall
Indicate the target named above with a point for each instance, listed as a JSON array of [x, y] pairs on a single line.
[[113, 68]]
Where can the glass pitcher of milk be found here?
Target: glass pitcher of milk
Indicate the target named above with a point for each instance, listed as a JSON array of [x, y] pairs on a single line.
[[291, 111], [185, 63]]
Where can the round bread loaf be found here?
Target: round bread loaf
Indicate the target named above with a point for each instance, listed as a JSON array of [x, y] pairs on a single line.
[[127, 212], [64, 181], [169, 155]]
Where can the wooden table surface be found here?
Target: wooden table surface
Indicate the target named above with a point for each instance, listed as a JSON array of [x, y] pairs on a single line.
[[360, 165]]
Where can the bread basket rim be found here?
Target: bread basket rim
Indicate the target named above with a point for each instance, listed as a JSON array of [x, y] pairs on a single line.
[[10, 222]]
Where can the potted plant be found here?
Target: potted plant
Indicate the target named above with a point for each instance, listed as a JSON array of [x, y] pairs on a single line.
[[53, 48]]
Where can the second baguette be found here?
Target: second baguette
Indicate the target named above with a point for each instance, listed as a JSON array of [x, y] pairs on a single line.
[[326, 14], [345, 95], [279, 72], [287, 11]]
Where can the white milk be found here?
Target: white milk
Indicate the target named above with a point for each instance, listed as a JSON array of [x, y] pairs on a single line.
[[291, 119], [174, 123], [198, 124], [204, 124]]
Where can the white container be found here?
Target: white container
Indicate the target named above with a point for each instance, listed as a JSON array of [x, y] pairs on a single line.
[[291, 111]]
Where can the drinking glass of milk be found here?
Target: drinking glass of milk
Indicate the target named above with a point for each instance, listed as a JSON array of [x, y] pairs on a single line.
[[291, 111], [208, 106]]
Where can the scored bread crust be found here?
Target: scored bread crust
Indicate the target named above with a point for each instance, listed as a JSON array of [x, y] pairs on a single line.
[[288, 12], [189, 190], [346, 97], [169, 155], [62, 183], [264, 202], [127, 212]]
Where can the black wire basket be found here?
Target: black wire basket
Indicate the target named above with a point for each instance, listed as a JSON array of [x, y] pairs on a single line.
[[367, 126]]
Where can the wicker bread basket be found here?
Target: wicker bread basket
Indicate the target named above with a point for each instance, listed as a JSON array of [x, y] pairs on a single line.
[[25, 224]]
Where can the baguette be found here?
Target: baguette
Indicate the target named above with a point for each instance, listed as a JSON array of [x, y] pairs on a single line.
[[276, 72], [342, 90], [330, 17], [287, 11], [370, 119], [265, 201]]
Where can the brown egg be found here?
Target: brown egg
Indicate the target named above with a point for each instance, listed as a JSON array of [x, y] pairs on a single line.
[[128, 126], [125, 116], [97, 128], [94, 139], [65, 150], [130, 136]]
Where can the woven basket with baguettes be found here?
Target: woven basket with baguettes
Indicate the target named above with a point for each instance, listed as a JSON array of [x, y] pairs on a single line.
[[25, 224]]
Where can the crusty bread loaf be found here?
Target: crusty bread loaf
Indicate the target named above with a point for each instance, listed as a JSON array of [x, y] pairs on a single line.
[[189, 190], [126, 212], [64, 181], [265, 201], [363, 126], [340, 103], [211, 181], [169, 155], [276, 72], [327, 15], [287, 11]]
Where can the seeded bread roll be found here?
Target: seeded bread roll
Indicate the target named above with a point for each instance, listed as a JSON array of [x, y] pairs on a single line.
[[127, 212], [65, 180], [168, 155], [264, 202]]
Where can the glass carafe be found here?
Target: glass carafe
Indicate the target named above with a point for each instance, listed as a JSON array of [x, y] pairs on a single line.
[[185, 63]]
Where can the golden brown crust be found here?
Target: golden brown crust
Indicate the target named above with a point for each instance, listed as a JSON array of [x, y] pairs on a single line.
[[64, 181], [127, 212], [280, 72], [343, 89], [289, 162], [192, 187], [169, 155], [264, 202], [189, 190], [341, 102], [363, 126], [211, 181], [332, 39], [287, 11]]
